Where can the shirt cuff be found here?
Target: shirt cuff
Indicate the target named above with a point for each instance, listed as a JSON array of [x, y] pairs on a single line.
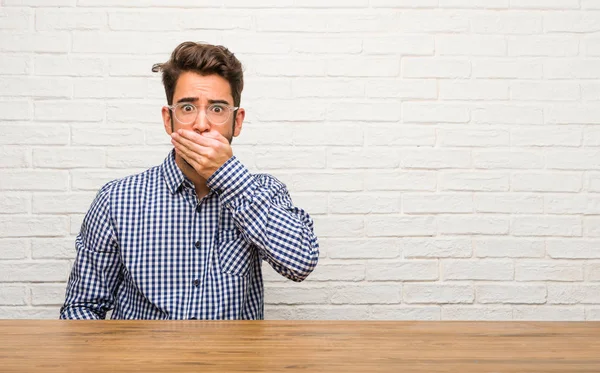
[[231, 180]]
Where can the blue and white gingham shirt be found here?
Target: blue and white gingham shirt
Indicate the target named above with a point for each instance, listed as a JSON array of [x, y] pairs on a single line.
[[149, 249]]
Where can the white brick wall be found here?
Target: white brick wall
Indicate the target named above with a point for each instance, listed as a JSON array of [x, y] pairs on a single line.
[[448, 150]]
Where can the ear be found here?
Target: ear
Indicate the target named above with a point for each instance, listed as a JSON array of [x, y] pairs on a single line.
[[166, 115], [239, 120]]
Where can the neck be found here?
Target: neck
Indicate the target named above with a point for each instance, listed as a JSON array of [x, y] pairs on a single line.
[[198, 181]]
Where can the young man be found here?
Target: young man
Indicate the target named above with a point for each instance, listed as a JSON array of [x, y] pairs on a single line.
[[185, 240]]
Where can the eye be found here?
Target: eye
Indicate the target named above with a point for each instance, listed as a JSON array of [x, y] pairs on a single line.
[[217, 109], [188, 108]]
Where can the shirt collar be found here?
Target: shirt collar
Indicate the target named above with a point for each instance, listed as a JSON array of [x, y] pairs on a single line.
[[174, 177]]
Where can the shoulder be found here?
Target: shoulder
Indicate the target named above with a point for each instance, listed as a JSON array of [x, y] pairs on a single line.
[[129, 185]]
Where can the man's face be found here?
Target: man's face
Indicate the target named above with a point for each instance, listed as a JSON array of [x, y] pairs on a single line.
[[202, 91]]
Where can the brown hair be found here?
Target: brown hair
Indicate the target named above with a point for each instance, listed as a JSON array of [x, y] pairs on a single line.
[[204, 59]]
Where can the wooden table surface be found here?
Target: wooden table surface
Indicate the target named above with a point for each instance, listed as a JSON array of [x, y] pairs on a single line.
[[298, 346]]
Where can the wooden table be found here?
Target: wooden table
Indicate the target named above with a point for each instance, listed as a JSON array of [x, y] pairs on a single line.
[[292, 346]]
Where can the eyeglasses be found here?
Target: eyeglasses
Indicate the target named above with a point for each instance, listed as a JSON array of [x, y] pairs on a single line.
[[187, 113]]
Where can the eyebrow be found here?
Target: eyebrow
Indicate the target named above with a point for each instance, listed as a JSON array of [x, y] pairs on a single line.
[[194, 99]]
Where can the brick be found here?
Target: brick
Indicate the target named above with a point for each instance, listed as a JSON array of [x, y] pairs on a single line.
[[53, 248], [13, 295], [470, 313], [506, 23], [36, 3], [473, 90], [329, 87], [297, 295], [332, 4], [426, 21], [106, 135], [132, 66], [584, 22], [320, 182], [566, 226], [14, 157], [496, 247], [511, 294], [366, 294], [314, 158], [394, 135], [371, 112], [473, 138], [20, 180], [337, 272], [403, 89], [546, 182], [29, 313], [36, 87], [48, 294], [592, 272], [438, 293], [593, 181], [15, 110], [69, 111], [548, 271], [436, 247], [364, 203], [299, 22], [68, 157], [546, 136], [94, 179], [590, 226], [545, 4], [55, 270], [135, 158], [361, 22], [150, 3], [69, 19], [404, 45], [359, 66], [544, 313], [486, 269], [573, 294], [298, 312], [405, 313], [437, 203], [486, 4], [75, 222], [53, 203], [508, 68], [358, 248], [473, 224], [120, 112], [573, 160], [543, 45], [470, 45], [263, 88], [403, 4], [572, 204], [14, 248], [400, 180], [313, 203], [245, 44], [410, 270], [484, 181], [338, 226], [125, 42], [64, 65], [573, 249], [315, 134], [16, 65], [49, 42], [418, 112], [571, 69], [373, 157], [590, 91], [590, 4], [127, 88], [30, 226], [545, 91], [502, 159], [592, 313], [17, 203], [290, 110], [400, 226], [34, 134], [426, 67], [513, 203], [15, 19], [506, 114], [327, 45]]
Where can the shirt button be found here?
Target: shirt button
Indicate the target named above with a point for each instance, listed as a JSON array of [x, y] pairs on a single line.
[[196, 283], [197, 244]]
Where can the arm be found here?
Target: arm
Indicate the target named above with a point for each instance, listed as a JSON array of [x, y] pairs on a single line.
[[262, 209], [96, 268]]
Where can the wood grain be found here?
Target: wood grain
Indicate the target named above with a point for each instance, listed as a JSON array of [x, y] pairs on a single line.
[[298, 346]]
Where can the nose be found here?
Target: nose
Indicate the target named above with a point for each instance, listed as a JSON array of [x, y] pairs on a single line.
[[202, 123]]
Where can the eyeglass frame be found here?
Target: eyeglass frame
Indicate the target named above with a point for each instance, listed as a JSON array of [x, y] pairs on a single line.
[[231, 109]]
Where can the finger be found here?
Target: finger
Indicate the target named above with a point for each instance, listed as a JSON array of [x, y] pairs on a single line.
[[189, 154], [214, 134], [189, 144], [196, 138]]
